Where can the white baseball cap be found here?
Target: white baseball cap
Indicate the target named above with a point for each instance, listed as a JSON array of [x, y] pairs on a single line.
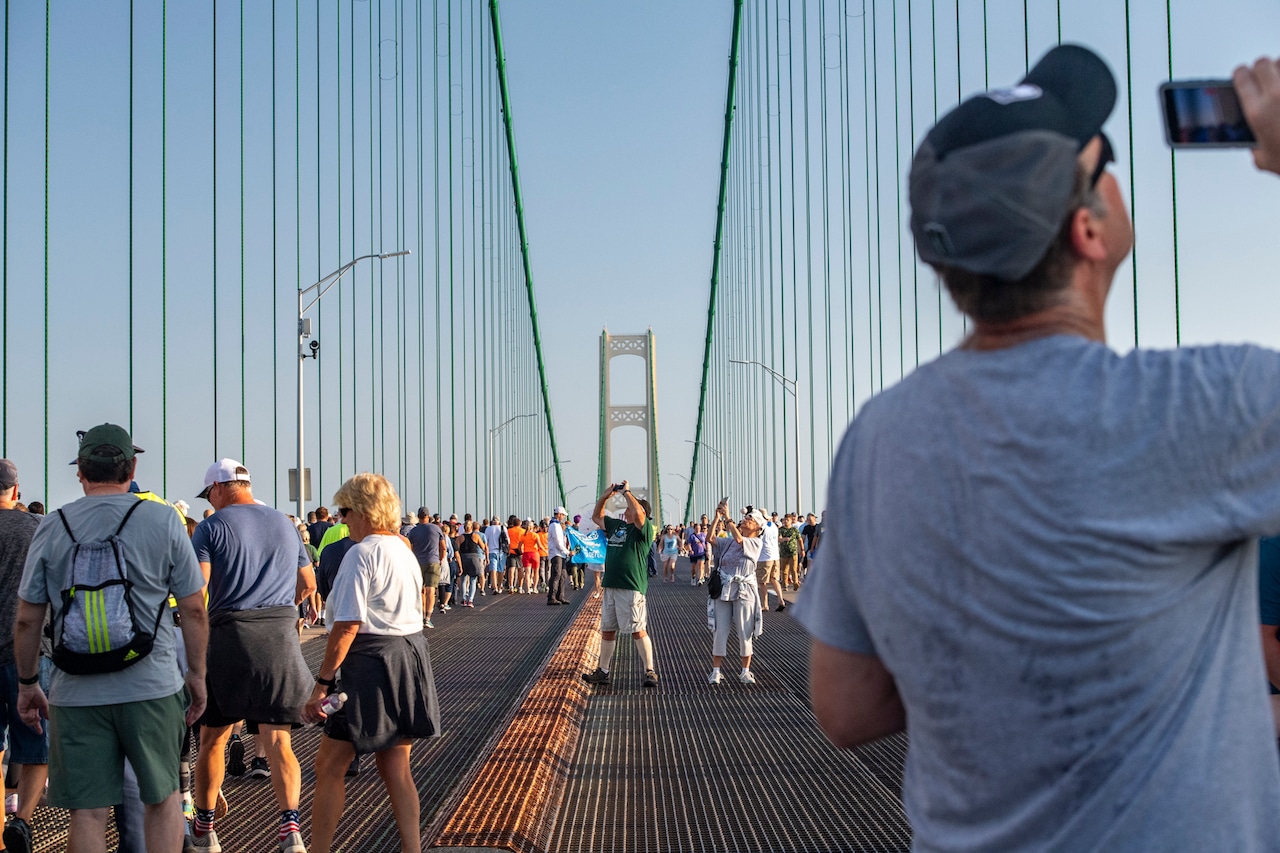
[[559, 511], [224, 471]]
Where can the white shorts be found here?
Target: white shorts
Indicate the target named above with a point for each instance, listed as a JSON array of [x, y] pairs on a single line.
[[623, 610]]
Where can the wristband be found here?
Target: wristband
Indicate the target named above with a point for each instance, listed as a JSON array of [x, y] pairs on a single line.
[[327, 682], [35, 679]]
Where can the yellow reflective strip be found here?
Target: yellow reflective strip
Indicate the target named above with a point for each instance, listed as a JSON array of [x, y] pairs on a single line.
[[95, 620], [88, 621]]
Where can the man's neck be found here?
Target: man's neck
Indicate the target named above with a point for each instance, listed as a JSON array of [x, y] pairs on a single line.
[[98, 489], [1080, 311]]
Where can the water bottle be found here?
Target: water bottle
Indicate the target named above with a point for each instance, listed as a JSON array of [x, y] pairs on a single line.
[[333, 703]]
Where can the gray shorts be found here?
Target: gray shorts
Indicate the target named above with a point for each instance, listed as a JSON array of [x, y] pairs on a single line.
[[623, 610]]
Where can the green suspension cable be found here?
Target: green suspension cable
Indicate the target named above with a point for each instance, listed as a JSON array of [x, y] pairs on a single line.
[[337, 165], [46, 245], [243, 421], [1133, 194], [453, 424], [1173, 189], [320, 418], [716, 246], [275, 283], [4, 258], [164, 246], [435, 119], [130, 206], [524, 236], [213, 156]]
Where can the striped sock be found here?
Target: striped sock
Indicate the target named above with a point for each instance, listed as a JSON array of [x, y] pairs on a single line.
[[288, 823], [203, 824]]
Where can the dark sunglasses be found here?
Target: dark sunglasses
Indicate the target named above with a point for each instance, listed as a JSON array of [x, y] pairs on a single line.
[[344, 512], [1106, 156]]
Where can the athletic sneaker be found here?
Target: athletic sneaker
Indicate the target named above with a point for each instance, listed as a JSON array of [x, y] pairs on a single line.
[[207, 842], [292, 843], [650, 678], [17, 836], [235, 757], [595, 594], [426, 623], [599, 676], [10, 803], [353, 769], [781, 607], [716, 677], [259, 768], [746, 677], [693, 582], [445, 607]]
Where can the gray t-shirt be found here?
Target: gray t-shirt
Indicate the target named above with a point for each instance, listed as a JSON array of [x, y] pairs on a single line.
[[254, 553], [1053, 549], [158, 560], [16, 530]]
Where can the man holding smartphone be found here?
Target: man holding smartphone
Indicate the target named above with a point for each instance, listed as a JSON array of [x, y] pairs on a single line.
[[1041, 556], [626, 581]]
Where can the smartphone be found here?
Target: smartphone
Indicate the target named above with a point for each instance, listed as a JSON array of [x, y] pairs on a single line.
[[1204, 114]]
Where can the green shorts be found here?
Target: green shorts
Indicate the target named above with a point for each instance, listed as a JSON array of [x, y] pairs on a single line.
[[88, 746]]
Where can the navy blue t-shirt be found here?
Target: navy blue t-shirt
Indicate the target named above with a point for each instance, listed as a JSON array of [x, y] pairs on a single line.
[[1269, 584], [254, 553], [425, 539]]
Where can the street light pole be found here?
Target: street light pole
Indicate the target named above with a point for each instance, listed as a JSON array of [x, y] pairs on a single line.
[[542, 478], [687, 483], [791, 385], [304, 331], [493, 431]]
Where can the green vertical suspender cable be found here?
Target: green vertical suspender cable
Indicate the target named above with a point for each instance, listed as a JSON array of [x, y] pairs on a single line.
[[422, 317], [4, 258], [1173, 186], [453, 453], [435, 123], [243, 424], [164, 246], [500, 59], [46, 245], [337, 165], [320, 419], [130, 215], [715, 251], [1133, 201], [275, 290], [213, 156]]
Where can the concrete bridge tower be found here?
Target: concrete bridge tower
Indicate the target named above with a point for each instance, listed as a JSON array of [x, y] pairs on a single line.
[[644, 415]]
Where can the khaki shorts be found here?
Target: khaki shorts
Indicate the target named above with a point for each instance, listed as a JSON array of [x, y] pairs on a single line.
[[623, 610], [88, 746], [430, 575], [766, 570]]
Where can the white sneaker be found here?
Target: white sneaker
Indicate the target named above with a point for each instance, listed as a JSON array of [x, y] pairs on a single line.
[[207, 843], [292, 843], [746, 677], [595, 594], [716, 677], [693, 582]]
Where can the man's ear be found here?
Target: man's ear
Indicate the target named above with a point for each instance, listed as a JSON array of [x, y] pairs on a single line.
[[1086, 231]]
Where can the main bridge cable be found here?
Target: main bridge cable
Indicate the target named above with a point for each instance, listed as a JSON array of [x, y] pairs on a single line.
[[500, 59], [715, 253]]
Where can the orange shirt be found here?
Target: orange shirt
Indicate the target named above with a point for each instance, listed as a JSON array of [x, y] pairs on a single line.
[[529, 542], [514, 535], [542, 544]]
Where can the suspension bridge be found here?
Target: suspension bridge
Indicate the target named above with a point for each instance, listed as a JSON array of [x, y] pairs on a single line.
[[176, 179]]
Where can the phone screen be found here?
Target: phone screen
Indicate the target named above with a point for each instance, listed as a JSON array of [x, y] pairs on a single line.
[[1204, 114]]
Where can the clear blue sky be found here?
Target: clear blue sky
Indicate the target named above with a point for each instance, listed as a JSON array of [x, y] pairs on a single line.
[[618, 110]]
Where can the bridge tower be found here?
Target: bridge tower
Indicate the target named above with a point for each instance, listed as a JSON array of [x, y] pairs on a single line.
[[644, 416]]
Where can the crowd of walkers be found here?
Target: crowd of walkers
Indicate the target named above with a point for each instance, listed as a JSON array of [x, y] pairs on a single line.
[[130, 631]]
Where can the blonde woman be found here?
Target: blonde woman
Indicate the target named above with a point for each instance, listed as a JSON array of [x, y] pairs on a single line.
[[378, 656]]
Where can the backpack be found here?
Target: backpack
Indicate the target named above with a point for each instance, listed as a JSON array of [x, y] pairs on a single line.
[[98, 629]]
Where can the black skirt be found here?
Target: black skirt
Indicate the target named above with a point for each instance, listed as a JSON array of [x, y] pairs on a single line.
[[391, 692], [255, 668]]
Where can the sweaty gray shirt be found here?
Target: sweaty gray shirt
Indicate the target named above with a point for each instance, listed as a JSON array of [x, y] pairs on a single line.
[[158, 560], [16, 529], [1053, 549]]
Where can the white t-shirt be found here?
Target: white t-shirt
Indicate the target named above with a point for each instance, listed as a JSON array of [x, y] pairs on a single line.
[[491, 537], [379, 585], [769, 539]]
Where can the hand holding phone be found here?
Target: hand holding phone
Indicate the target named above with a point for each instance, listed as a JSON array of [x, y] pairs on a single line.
[[1258, 87], [1204, 114]]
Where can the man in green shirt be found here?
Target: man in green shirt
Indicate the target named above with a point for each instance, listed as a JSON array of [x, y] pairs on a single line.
[[789, 551], [626, 580]]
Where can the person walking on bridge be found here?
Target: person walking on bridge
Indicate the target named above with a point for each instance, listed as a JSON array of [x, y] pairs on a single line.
[[626, 581], [258, 573], [558, 554]]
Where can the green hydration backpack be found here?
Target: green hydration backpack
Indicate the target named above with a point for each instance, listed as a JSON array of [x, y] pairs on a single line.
[[98, 629]]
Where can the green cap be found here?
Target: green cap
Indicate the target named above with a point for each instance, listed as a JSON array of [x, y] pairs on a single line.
[[106, 443]]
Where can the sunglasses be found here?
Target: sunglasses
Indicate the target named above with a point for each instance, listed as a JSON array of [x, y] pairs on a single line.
[[1106, 156]]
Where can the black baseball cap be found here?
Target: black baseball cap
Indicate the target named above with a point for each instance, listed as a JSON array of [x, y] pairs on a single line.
[[990, 183]]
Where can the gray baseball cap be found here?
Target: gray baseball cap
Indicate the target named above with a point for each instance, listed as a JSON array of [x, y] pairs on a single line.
[[990, 184], [8, 474]]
